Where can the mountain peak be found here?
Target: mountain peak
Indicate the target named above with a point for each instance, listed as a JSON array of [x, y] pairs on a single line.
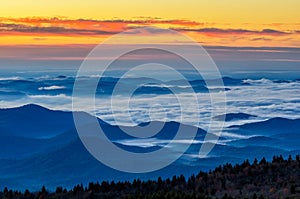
[[32, 106]]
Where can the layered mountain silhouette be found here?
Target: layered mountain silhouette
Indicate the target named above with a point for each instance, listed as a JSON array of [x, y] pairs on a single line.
[[39, 147], [234, 116]]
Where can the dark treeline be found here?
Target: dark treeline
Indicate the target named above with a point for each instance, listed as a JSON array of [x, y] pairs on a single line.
[[257, 180]]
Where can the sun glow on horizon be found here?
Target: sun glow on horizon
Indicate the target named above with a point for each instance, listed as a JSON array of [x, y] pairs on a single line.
[[222, 23]]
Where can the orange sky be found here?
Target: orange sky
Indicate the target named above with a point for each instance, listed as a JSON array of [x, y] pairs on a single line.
[[214, 22]]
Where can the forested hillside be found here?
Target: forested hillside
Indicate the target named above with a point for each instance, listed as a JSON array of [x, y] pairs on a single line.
[[259, 179]]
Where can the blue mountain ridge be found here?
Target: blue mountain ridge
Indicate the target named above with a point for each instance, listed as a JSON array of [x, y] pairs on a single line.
[[41, 147], [234, 116], [269, 127], [22, 87]]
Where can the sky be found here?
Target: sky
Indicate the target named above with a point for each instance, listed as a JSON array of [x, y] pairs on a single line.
[[35, 28], [226, 23]]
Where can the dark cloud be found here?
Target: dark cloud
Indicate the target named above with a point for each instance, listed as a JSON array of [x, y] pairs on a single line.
[[83, 26], [255, 49], [233, 31], [261, 39], [51, 30], [144, 20], [271, 31]]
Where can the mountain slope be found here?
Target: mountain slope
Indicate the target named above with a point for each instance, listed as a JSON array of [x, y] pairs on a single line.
[[269, 127], [39, 147]]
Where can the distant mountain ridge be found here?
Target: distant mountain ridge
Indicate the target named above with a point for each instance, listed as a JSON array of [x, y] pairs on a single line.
[[234, 116], [39, 147], [269, 127]]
